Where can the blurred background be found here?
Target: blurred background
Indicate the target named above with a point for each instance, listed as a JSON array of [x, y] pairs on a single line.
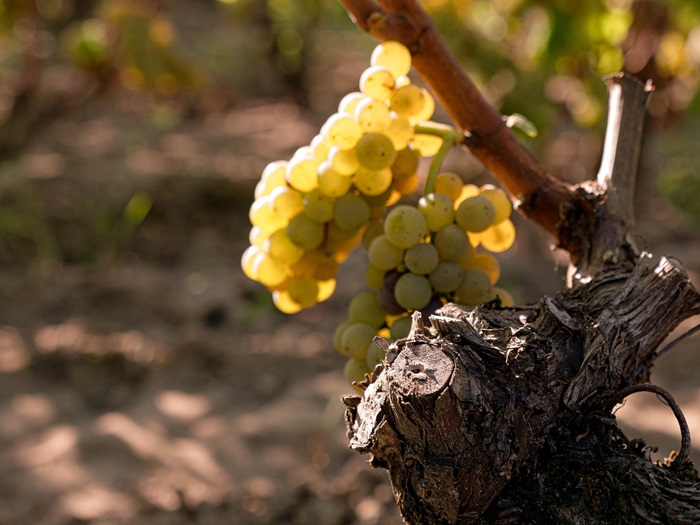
[[143, 378]]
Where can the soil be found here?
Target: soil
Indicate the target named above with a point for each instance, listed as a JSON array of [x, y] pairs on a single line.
[[144, 379]]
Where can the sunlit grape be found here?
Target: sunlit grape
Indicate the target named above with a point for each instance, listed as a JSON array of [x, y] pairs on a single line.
[[404, 226], [400, 131], [344, 161], [349, 102], [384, 254], [268, 271], [375, 151], [499, 199], [342, 131], [438, 210], [372, 115], [427, 110], [507, 300], [374, 183], [285, 303], [273, 175], [325, 289], [261, 215], [394, 56], [498, 238], [427, 145], [280, 246], [408, 101], [301, 172], [303, 291], [450, 184], [285, 202], [377, 82], [330, 182], [489, 264]]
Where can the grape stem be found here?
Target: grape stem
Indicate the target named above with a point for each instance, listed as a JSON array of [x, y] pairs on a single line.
[[450, 136]]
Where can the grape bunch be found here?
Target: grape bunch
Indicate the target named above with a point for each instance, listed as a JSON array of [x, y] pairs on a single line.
[[310, 211], [423, 256]]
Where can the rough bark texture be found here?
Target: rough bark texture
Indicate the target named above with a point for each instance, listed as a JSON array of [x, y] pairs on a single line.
[[492, 415]]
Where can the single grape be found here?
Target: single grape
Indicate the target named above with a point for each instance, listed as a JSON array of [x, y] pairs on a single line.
[[489, 264], [475, 287], [428, 108], [372, 115], [394, 56], [257, 236], [475, 214], [342, 131], [412, 291], [408, 101], [318, 207], [280, 246], [499, 199], [344, 161], [364, 308], [374, 183], [447, 277], [356, 339], [438, 210], [384, 254], [452, 243], [450, 184], [377, 82], [338, 336], [268, 271], [303, 291], [401, 327], [330, 182], [261, 215], [421, 259], [285, 202], [375, 151], [320, 147], [498, 238], [355, 370], [285, 303], [273, 175], [301, 172], [305, 233], [404, 226], [351, 212], [400, 131]]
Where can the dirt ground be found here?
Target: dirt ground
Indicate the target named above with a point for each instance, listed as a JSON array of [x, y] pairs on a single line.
[[144, 379]]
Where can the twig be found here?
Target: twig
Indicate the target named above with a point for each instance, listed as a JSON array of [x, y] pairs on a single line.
[[677, 340]]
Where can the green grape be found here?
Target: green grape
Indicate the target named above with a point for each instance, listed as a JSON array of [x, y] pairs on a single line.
[[280, 246], [421, 259], [408, 101], [351, 212], [349, 102], [400, 131], [373, 183], [412, 291], [268, 271], [475, 287], [356, 339], [498, 238], [447, 277], [303, 291], [499, 199], [374, 277], [452, 243], [284, 302], [375, 229], [428, 108], [301, 172], [355, 370], [404, 226], [401, 327], [364, 308], [475, 214], [466, 259], [305, 233], [449, 184], [338, 337], [375, 151], [383, 254], [489, 264], [377, 82], [342, 131], [343, 161], [285, 202], [375, 355], [320, 147], [261, 215], [330, 182], [405, 164], [318, 207], [394, 56], [438, 210], [273, 175], [372, 115]]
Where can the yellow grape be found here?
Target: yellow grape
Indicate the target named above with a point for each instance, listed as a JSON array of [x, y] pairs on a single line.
[[285, 202], [372, 115], [468, 190], [394, 56], [499, 199], [301, 172], [325, 290], [349, 102], [247, 260], [406, 185], [303, 291], [449, 184], [438, 210], [261, 215], [400, 131], [427, 145], [268, 271], [408, 101], [342, 131], [280, 246], [284, 302], [498, 238], [375, 151], [273, 175], [374, 182], [320, 146], [257, 236], [489, 264], [331, 182], [377, 82], [428, 108]]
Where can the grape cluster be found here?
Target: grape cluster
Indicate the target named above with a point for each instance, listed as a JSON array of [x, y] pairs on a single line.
[[312, 210], [423, 256]]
